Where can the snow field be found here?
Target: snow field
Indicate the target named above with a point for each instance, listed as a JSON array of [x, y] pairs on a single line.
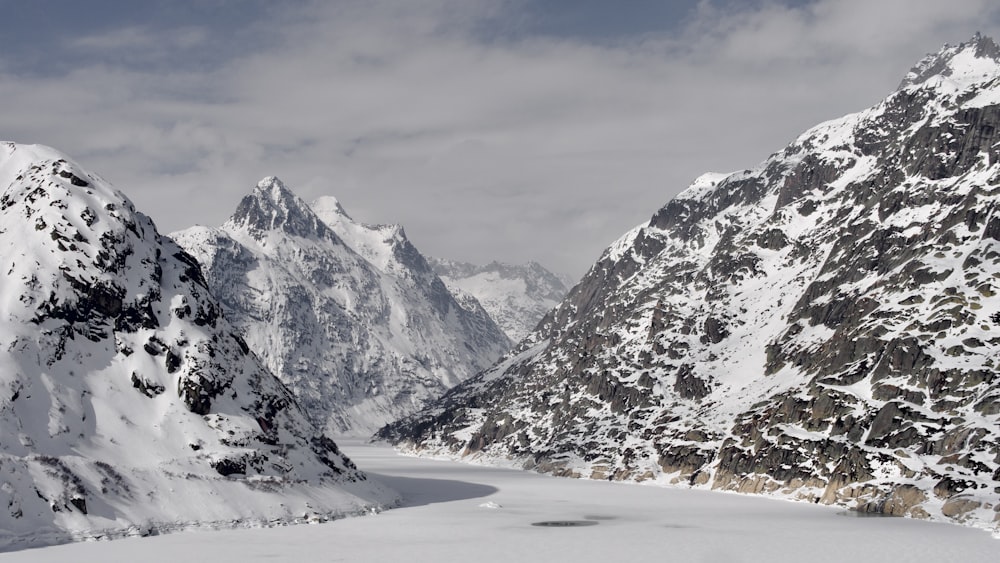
[[456, 513]]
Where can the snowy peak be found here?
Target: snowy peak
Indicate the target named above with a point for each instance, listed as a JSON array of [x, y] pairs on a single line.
[[329, 209], [385, 246], [273, 207], [60, 219], [24, 167], [971, 63], [516, 296]]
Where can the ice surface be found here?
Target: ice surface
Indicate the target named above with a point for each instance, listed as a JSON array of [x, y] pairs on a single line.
[[443, 521]]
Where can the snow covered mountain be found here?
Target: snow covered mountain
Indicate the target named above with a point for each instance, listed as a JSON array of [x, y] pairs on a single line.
[[516, 296], [349, 316], [128, 403], [824, 326]]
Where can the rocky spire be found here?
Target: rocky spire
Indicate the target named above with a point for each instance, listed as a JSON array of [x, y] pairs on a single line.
[[272, 206]]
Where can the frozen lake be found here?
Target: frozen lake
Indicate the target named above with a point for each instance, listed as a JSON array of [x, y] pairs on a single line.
[[456, 512]]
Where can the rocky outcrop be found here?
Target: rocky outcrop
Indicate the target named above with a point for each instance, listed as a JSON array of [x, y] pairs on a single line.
[[823, 326]]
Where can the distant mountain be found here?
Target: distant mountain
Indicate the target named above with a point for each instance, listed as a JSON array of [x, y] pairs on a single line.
[[349, 316], [516, 296], [824, 326], [128, 402]]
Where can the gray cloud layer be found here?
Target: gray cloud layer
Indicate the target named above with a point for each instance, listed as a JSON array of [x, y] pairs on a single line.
[[486, 143]]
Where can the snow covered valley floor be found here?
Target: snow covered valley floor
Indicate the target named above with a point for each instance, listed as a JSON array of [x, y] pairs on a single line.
[[457, 512]]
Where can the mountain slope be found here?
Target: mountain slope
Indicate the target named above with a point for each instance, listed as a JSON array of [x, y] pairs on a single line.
[[824, 326], [387, 248], [128, 403], [516, 296], [350, 316]]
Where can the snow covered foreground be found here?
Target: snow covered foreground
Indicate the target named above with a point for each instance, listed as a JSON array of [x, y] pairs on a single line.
[[457, 512]]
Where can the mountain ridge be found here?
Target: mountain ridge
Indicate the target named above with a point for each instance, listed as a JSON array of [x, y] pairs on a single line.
[[516, 296]]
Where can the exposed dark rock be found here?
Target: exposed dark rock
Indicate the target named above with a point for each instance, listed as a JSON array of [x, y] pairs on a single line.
[[173, 361], [689, 385], [79, 502], [227, 466], [715, 330], [146, 387], [198, 392]]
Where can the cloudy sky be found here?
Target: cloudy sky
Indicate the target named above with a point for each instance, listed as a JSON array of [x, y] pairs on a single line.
[[492, 130]]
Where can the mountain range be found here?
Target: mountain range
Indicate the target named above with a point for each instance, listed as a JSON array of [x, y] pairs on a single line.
[[824, 326], [350, 316]]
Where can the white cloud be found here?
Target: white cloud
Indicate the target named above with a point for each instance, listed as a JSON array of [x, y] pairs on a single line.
[[128, 39], [512, 149]]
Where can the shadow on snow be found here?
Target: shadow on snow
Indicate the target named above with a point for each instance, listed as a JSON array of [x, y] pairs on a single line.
[[421, 491]]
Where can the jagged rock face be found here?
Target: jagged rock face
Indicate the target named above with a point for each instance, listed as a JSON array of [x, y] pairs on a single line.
[[825, 326], [516, 296], [122, 382], [349, 316]]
